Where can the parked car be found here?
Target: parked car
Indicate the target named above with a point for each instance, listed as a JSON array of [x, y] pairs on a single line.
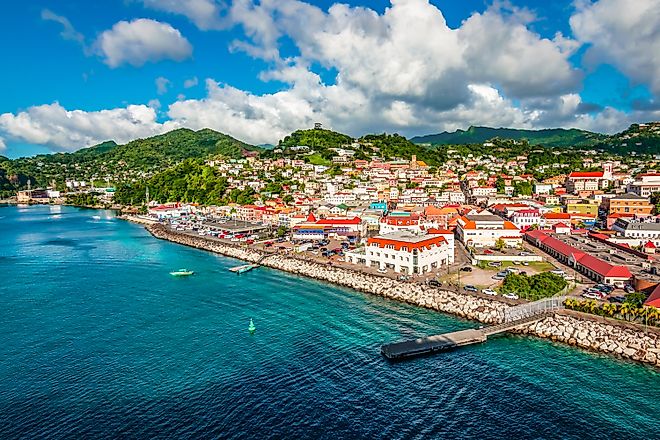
[[558, 272], [381, 270], [524, 254], [470, 288], [498, 277], [466, 269], [628, 288], [490, 292], [617, 299], [510, 296], [591, 295], [525, 263], [434, 283], [494, 263]]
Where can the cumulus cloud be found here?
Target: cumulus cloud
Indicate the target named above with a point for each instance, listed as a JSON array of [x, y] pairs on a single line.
[[401, 70], [624, 33], [141, 41], [191, 82], [61, 129], [3, 145], [162, 84]]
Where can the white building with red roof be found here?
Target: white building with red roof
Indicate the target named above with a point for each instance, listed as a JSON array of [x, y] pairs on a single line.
[[589, 180], [405, 252], [486, 229]]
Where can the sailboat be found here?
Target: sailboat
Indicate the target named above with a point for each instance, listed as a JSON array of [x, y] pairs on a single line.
[[251, 327]]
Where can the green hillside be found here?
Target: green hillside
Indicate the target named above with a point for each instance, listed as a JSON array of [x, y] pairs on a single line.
[[638, 138], [555, 137], [134, 160]]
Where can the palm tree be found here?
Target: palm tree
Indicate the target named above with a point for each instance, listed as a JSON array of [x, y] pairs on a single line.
[[609, 309], [653, 315], [624, 310]]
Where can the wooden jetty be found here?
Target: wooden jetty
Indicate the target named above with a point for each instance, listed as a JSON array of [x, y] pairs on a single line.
[[514, 317]]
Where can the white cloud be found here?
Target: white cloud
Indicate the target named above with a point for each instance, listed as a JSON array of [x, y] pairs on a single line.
[[3, 145], [162, 84], [61, 129], [191, 82], [140, 41], [68, 31], [624, 33], [206, 14], [402, 70]]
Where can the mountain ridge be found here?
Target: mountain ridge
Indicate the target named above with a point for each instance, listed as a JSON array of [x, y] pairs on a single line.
[[551, 137]]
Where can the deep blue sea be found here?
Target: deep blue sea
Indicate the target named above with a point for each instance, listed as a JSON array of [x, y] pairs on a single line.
[[97, 340]]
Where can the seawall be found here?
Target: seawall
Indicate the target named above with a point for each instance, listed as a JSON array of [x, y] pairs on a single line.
[[626, 341]]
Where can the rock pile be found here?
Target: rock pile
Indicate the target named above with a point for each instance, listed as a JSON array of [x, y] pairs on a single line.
[[585, 333]]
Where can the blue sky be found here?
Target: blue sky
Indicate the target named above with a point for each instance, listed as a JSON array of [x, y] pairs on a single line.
[[79, 72]]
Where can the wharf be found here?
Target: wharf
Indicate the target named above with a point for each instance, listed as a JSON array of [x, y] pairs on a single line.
[[432, 344], [449, 341]]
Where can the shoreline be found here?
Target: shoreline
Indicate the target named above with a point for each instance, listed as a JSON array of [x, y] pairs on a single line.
[[594, 333]]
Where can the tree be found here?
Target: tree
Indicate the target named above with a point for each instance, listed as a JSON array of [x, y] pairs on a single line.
[[281, 231], [500, 244], [655, 201], [499, 184], [522, 189], [287, 199]]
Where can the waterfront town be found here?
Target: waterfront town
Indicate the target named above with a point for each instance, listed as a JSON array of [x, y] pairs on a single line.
[[471, 223]]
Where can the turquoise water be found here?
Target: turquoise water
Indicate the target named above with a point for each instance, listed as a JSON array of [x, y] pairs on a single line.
[[98, 340]]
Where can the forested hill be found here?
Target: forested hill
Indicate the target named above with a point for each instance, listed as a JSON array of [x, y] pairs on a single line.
[[638, 138], [555, 137], [322, 145], [109, 161]]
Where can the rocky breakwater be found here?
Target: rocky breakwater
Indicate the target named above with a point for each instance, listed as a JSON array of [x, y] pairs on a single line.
[[598, 334], [459, 304], [578, 329]]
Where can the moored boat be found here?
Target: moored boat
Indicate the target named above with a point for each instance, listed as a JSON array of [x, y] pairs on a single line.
[[182, 273]]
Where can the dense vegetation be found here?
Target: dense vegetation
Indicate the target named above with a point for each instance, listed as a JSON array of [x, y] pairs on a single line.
[[641, 140], [392, 146], [556, 137], [631, 311], [316, 139], [83, 199], [110, 163], [189, 181], [533, 287]]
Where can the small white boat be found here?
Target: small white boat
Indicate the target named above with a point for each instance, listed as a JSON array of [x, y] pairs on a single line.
[[182, 273]]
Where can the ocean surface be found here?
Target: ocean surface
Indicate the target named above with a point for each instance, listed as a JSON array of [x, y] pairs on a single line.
[[99, 341]]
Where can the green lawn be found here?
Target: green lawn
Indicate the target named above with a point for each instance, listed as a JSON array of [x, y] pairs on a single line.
[[316, 159]]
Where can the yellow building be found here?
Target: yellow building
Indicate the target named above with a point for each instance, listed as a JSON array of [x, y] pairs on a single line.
[[585, 207]]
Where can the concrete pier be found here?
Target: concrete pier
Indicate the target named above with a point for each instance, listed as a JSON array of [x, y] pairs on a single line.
[[432, 344]]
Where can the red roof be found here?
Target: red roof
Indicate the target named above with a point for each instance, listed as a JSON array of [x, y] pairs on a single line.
[[561, 225], [590, 262], [654, 299], [340, 221], [649, 245], [311, 218], [398, 244], [556, 216], [586, 174]]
